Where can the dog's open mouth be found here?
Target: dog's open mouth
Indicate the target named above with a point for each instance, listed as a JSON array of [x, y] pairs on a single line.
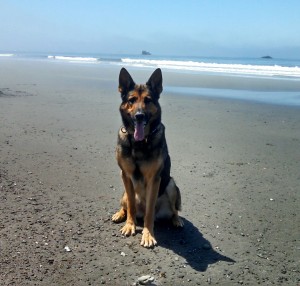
[[139, 133]]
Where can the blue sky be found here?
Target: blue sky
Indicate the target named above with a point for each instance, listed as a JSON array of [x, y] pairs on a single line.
[[197, 28]]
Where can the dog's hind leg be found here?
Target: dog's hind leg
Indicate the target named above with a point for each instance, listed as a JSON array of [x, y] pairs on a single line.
[[174, 195], [176, 220]]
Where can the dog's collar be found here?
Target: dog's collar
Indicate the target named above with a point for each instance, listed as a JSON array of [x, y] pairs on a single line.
[[123, 130], [155, 130]]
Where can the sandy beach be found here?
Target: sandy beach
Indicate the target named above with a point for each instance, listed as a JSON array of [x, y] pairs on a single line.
[[236, 162]]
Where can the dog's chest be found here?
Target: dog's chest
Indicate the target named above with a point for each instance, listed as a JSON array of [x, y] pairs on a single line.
[[145, 162], [140, 155], [141, 152]]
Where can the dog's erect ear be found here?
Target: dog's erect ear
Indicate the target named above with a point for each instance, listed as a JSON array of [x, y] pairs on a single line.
[[155, 82], [126, 82]]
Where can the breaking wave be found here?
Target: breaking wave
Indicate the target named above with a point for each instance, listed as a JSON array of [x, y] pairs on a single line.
[[244, 69], [6, 55], [73, 59]]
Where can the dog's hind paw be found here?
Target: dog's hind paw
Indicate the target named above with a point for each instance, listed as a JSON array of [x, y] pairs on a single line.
[[177, 221], [119, 216]]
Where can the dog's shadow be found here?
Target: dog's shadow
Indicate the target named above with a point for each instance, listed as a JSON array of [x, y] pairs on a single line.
[[189, 243]]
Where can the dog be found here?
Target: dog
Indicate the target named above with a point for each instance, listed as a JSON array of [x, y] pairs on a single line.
[[142, 155]]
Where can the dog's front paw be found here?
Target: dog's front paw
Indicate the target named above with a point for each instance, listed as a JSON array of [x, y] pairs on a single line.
[[128, 229], [148, 239]]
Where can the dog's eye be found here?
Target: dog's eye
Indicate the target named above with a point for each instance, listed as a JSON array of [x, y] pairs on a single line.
[[147, 100], [132, 100]]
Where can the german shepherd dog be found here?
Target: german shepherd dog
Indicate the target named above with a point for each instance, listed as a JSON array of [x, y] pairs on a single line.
[[143, 157]]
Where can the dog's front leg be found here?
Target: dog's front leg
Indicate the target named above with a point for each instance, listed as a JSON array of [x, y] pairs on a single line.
[[129, 227], [148, 239]]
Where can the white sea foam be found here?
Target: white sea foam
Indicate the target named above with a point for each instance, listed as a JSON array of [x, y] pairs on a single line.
[[73, 59], [255, 70], [192, 65], [6, 55]]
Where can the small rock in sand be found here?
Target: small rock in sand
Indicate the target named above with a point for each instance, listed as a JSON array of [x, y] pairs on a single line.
[[145, 279]]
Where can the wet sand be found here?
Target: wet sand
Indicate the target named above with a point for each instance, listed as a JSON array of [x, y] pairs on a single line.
[[236, 162]]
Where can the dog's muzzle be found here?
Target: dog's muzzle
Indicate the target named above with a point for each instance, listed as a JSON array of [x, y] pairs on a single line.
[[139, 117]]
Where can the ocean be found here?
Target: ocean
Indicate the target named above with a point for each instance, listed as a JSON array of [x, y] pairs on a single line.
[[241, 66], [287, 71]]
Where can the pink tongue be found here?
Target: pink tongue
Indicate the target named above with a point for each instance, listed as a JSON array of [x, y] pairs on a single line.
[[139, 131]]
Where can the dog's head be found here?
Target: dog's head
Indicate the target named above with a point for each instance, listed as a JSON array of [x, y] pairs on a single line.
[[140, 110]]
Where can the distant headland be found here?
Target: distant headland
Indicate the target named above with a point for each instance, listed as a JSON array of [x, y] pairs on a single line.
[[267, 57], [145, 53]]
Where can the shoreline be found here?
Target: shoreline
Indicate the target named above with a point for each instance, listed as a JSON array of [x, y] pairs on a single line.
[[228, 86], [281, 98], [233, 80], [236, 163]]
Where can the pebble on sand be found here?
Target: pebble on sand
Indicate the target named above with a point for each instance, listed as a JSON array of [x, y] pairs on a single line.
[[145, 279]]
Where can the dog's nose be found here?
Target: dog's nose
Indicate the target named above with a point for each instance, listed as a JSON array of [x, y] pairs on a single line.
[[139, 116]]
